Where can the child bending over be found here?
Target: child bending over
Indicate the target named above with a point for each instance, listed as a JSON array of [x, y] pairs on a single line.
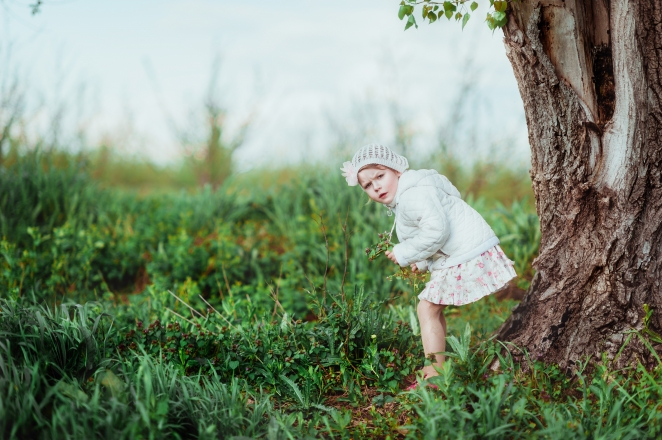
[[439, 232]]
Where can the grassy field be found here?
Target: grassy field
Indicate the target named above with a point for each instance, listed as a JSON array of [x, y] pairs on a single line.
[[250, 311]]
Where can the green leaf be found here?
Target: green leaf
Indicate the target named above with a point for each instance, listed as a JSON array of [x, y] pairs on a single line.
[[448, 6], [413, 322], [466, 337], [424, 12], [71, 391], [499, 19], [112, 382], [411, 22], [432, 17], [473, 6], [465, 19], [162, 408], [233, 364], [295, 388], [401, 12], [500, 6], [458, 16], [284, 323], [490, 22], [323, 408], [449, 14], [435, 8]]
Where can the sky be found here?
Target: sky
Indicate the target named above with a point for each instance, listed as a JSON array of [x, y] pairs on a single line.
[[305, 75]]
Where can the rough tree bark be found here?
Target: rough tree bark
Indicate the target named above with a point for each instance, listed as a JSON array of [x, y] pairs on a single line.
[[589, 73]]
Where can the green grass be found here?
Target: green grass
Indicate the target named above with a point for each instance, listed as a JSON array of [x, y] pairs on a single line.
[[65, 236], [74, 371], [252, 312]]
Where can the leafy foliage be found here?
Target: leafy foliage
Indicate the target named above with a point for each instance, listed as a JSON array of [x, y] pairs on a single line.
[[538, 401], [414, 279], [67, 237], [353, 335], [198, 329], [452, 9], [62, 373]]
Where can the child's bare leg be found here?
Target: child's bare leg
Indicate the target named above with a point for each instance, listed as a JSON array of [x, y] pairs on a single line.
[[433, 332]]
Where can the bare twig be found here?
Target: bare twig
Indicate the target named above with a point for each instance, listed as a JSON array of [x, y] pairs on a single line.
[[177, 314], [326, 244], [280, 275], [220, 291], [188, 320], [184, 302], [225, 277], [277, 303], [227, 285], [346, 238], [274, 295], [312, 286], [218, 313], [210, 306]]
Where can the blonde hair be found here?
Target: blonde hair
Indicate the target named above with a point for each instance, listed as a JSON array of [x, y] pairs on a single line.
[[375, 166]]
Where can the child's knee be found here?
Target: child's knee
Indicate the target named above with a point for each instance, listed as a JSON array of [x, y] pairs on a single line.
[[428, 309]]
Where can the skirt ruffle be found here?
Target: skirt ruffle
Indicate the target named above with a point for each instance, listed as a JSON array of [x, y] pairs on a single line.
[[468, 282]]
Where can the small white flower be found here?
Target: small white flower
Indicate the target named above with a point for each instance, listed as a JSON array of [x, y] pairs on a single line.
[[349, 173], [373, 336]]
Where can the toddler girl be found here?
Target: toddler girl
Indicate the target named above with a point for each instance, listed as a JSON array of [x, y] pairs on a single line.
[[438, 232]]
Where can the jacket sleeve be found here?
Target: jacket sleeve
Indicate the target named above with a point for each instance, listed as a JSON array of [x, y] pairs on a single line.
[[422, 207], [422, 265]]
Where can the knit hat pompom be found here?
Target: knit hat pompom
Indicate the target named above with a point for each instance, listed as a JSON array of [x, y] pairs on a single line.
[[372, 154]]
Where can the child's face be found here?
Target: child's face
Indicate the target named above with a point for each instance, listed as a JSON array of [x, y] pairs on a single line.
[[380, 183]]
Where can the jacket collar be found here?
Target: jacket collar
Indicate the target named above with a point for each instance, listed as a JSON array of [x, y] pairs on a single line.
[[408, 179], [398, 192]]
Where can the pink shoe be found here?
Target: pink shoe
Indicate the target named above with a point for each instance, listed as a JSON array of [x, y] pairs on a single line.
[[415, 385], [412, 387]]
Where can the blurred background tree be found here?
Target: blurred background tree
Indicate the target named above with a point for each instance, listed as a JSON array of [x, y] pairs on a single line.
[[209, 147]]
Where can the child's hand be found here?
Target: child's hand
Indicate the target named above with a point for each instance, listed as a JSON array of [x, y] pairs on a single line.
[[391, 256], [383, 245], [414, 268]]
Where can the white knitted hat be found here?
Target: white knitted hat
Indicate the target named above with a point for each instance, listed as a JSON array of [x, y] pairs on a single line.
[[372, 154]]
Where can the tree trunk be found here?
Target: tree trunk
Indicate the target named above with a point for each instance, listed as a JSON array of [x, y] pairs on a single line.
[[589, 73]]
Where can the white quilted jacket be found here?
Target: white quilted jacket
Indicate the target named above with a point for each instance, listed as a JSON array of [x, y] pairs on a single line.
[[435, 227]]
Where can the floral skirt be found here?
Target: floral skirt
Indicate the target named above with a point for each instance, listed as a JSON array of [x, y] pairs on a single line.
[[468, 282]]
